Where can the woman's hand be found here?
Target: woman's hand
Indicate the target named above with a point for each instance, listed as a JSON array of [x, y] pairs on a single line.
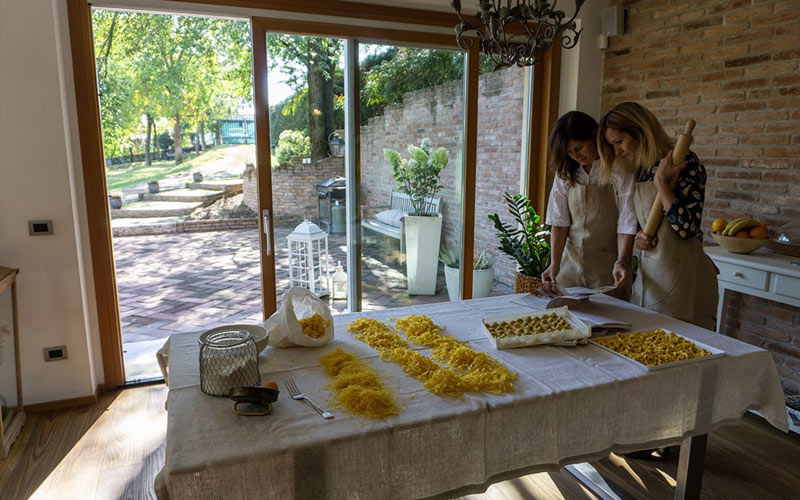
[[667, 172], [549, 278], [620, 273], [645, 242]]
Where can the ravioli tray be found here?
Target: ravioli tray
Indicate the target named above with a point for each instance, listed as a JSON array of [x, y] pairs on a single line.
[[715, 353], [578, 333]]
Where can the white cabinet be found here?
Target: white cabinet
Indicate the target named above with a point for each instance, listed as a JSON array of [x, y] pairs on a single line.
[[766, 275]]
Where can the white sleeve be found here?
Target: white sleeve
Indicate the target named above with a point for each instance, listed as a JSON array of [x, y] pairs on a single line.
[[558, 205], [624, 188]]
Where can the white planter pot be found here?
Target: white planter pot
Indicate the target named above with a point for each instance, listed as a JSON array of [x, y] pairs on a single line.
[[481, 282], [422, 235]]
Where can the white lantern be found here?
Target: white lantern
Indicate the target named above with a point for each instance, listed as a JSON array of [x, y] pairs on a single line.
[[339, 283], [308, 258]]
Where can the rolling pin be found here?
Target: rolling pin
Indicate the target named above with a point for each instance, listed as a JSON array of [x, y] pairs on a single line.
[[678, 154]]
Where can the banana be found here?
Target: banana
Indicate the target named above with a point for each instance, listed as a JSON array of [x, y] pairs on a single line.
[[727, 230], [739, 225]]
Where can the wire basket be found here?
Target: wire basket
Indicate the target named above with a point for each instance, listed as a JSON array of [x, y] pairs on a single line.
[[228, 359]]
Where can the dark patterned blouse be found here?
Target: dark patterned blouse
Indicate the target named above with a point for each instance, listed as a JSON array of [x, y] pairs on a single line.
[[686, 211]]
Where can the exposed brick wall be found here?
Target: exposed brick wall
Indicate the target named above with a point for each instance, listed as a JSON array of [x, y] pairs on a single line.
[[294, 188], [437, 112], [732, 66], [771, 325]]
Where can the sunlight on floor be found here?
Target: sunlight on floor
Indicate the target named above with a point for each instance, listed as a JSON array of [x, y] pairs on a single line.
[[119, 449], [622, 462]]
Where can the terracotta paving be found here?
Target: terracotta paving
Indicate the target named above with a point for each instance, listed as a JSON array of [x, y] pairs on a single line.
[[195, 281]]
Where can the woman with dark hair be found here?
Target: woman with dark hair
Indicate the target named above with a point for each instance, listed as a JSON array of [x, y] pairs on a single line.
[[675, 277], [591, 215]]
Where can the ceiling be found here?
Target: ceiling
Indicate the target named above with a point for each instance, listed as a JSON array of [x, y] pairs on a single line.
[[440, 5]]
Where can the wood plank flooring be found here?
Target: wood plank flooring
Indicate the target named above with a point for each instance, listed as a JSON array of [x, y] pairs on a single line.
[[115, 448]]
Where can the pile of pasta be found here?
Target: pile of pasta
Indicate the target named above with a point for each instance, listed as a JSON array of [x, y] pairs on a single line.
[[314, 326], [357, 388], [466, 371], [653, 347], [529, 325]]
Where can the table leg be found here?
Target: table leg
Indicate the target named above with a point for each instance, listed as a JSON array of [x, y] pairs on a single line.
[[720, 308], [690, 468]]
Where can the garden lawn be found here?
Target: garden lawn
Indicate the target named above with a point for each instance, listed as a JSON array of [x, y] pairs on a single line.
[[226, 158]]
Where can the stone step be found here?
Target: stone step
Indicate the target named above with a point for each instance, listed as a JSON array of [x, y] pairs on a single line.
[[139, 209], [226, 185], [206, 196]]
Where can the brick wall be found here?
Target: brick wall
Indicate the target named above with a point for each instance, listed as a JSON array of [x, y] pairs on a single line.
[[437, 112], [733, 66], [293, 188]]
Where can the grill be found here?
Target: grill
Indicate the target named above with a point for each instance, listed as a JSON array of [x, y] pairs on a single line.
[[328, 192]]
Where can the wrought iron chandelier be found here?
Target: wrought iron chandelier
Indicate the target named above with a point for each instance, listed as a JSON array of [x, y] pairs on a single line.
[[517, 31]]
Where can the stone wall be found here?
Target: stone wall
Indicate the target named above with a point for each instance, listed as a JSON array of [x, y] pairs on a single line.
[[733, 66], [438, 113], [294, 185]]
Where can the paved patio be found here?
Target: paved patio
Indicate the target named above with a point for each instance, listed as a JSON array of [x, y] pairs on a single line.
[[195, 281]]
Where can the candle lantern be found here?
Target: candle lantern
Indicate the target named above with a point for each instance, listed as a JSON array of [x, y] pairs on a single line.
[[308, 258], [339, 283]]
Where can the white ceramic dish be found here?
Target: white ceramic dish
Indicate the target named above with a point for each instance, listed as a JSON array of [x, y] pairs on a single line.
[[578, 334], [259, 334], [715, 353]]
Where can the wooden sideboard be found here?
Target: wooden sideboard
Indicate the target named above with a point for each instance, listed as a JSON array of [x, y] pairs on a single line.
[[766, 275]]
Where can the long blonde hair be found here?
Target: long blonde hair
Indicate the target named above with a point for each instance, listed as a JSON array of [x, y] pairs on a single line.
[[637, 121]]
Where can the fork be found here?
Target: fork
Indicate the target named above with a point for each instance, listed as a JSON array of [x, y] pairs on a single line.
[[296, 394]]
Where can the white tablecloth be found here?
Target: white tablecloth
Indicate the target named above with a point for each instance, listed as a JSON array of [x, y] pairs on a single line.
[[570, 404]]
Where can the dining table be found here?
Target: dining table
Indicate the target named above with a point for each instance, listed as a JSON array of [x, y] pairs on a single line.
[[569, 404]]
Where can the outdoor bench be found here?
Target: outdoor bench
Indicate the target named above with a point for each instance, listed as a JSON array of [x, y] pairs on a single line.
[[389, 222]]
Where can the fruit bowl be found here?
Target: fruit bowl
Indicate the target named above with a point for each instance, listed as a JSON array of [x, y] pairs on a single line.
[[739, 245]]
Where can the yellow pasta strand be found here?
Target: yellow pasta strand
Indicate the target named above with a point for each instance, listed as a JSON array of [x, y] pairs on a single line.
[[358, 389]]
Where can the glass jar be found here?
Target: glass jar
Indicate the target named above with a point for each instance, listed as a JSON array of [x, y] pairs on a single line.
[[228, 359]]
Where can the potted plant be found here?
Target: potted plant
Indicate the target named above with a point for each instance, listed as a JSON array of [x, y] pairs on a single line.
[[197, 176], [524, 242], [482, 272], [152, 186], [422, 229], [115, 200]]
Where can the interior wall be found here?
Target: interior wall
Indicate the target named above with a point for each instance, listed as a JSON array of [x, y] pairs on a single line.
[[582, 66], [37, 182]]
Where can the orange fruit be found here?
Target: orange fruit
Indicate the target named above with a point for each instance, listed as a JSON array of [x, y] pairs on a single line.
[[742, 234], [759, 232], [718, 225]]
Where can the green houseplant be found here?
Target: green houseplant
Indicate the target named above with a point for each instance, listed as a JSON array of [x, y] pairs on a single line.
[[418, 177], [482, 272], [526, 242]]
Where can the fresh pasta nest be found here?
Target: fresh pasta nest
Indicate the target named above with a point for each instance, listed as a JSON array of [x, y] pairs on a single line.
[[551, 326], [655, 347]]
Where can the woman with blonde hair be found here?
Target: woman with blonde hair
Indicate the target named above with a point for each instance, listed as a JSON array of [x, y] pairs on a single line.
[[592, 219], [675, 277]]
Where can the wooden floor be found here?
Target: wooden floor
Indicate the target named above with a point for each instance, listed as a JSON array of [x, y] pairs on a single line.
[[114, 449]]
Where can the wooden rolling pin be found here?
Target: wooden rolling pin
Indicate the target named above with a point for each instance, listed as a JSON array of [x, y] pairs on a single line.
[[678, 154]]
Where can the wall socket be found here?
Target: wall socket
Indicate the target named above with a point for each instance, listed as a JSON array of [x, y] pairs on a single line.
[[56, 353]]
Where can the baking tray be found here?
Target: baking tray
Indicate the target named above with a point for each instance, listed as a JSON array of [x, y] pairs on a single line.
[[715, 353], [578, 334]]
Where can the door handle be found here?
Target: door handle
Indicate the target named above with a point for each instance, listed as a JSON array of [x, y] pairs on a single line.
[[265, 214]]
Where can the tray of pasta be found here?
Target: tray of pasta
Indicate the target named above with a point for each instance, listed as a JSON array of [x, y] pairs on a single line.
[[657, 349]]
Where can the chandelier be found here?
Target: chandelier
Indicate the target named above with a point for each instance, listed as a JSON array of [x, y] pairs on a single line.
[[517, 31]]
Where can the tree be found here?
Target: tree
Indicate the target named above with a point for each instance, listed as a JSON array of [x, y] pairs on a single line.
[[311, 64]]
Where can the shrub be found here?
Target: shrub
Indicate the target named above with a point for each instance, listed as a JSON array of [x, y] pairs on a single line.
[[292, 143]]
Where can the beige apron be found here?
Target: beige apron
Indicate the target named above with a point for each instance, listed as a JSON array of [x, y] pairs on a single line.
[[591, 248], [676, 277]]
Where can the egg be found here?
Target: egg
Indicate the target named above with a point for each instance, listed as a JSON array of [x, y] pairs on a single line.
[[270, 384]]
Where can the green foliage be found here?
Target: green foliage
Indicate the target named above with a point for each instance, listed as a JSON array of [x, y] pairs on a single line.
[[419, 176], [166, 66], [292, 143], [525, 242], [451, 257]]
